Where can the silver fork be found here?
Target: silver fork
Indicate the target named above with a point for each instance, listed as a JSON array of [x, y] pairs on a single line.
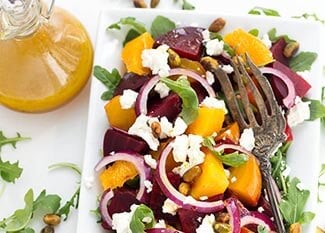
[[268, 130]]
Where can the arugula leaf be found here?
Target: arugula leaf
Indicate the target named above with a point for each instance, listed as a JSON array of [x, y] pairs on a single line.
[[293, 203], [302, 61], [137, 223], [317, 109], [10, 171], [254, 32], [72, 166], [261, 229], [4, 140], [190, 102], [132, 34], [234, 159], [109, 79], [73, 202], [273, 37], [21, 217], [309, 16], [187, 5], [161, 25], [129, 21], [258, 10], [49, 203]]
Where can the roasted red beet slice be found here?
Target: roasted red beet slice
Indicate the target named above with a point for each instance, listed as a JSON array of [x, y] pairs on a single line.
[[186, 41], [189, 220], [131, 81], [277, 51], [157, 199], [280, 89], [119, 140], [170, 106], [122, 201], [199, 90]]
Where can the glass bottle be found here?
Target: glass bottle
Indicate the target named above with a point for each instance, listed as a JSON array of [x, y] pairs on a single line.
[[45, 55]]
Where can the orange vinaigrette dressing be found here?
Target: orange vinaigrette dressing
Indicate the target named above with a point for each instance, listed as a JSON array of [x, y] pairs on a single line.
[[44, 70]]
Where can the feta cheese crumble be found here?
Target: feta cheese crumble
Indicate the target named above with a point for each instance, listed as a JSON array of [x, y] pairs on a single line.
[[227, 68], [128, 98], [121, 221], [209, 77], [142, 129], [162, 89], [214, 47], [211, 102], [298, 113], [156, 60], [206, 35], [151, 162], [266, 40], [247, 139], [148, 185], [170, 207], [207, 224], [160, 224]]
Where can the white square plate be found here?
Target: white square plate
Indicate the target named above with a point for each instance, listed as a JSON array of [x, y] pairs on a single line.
[[303, 154]]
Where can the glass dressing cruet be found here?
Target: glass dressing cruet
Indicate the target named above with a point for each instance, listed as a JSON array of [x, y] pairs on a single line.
[[45, 55]]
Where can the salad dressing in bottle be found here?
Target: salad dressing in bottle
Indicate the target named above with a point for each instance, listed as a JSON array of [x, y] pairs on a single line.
[[45, 56]]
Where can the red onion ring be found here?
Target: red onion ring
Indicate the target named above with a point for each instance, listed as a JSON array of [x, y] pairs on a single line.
[[223, 147], [136, 160], [106, 197], [162, 230], [174, 195], [289, 100], [234, 214], [257, 219], [142, 99]]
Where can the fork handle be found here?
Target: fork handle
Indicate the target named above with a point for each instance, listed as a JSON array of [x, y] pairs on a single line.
[[271, 194]]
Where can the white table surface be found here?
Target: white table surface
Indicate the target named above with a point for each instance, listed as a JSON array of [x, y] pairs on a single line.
[[59, 136]]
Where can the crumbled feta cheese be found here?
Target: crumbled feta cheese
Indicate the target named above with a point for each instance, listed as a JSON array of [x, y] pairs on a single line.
[[148, 185], [287, 171], [128, 98], [233, 179], [227, 172], [179, 127], [211, 102], [160, 224], [227, 68], [298, 113], [89, 181], [156, 60], [151, 162], [266, 40], [214, 47], [207, 224], [162, 89], [203, 198], [121, 221], [247, 139], [206, 35], [260, 209], [199, 219], [147, 220], [166, 127], [141, 128], [209, 77], [180, 146], [170, 207]]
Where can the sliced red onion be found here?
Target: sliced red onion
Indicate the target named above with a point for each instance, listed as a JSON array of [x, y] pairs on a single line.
[[186, 202], [234, 214], [289, 100], [133, 158], [162, 230], [257, 218], [141, 103], [106, 197], [223, 147]]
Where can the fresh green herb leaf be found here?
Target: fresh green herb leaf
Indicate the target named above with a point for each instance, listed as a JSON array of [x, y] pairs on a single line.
[[310, 16], [317, 110], [254, 32], [129, 21], [187, 5], [109, 79], [48, 203], [215, 35], [262, 229], [4, 140], [190, 102], [72, 203], [258, 10], [293, 203], [234, 159], [302, 61], [229, 50], [161, 25], [132, 34], [72, 166], [142, 219], [21, 217], [273, 37], [10, 171]]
